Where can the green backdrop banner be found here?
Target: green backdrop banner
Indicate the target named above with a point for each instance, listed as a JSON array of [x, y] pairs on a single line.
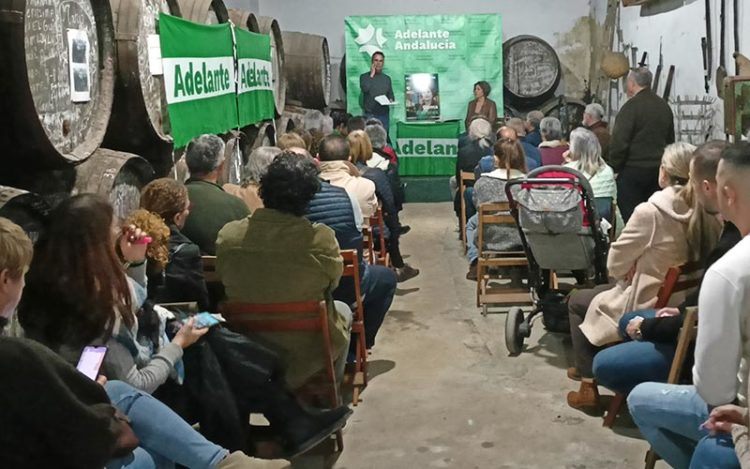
[[198, 65], [461, 50], [255, 77], [427, 148]]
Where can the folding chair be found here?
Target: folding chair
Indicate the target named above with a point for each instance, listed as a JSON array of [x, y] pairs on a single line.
[[497, 214], [688, 333], [678, 279], [359, 381], [209, 269], [465, 178], [381, 256], [304, 316]]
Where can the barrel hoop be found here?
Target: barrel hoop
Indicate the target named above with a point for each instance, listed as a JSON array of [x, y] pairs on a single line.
[[11, 16]]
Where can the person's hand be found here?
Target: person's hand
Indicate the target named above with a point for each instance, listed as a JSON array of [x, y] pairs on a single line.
[[372, 70], [101, 379], [188, 334], [667, 312], [722, 418], [131, 245], [634, 328]]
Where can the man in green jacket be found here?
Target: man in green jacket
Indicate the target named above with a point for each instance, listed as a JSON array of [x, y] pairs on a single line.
[[644, 127], [212, 208], [278, 256]]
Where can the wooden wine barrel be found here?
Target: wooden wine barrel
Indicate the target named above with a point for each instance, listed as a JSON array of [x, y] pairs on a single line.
[[531, 71], [117, 175], [25, 209], [244, 19], [308, 70], [271, 27], [140, 121], [204, 11], [50, 129], [568, 110]]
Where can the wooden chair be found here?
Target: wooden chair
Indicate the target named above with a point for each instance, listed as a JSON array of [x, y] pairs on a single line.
[[303, 316], [465, 177], [359, 381], [678, 279], [209, 269], [497, 214], [687, 336], [380, 255]]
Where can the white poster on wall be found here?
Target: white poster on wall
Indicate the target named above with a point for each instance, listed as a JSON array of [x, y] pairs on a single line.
[[78, 59], [154, 55]]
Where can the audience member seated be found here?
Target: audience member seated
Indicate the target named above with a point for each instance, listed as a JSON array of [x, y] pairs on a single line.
[[340, 121], [533, 157], [361, 153], [277, 256], [480, 144], [650, 335], [74, 311], [256, 166], [675, 419], [212, 207], [585, 156], [334, 207], [666, 231], [383, 159], [181, 278], [306, 137], [104, 421], [553, 146], [383, 149], [357, 123], [490, 188], [334, 154], [290, 140], [592, 120], [533, 121]]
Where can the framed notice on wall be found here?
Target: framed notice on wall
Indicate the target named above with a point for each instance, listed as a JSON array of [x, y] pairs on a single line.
[[422, 97]]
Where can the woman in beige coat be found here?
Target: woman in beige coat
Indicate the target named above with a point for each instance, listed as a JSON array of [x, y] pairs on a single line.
[[667, 231]]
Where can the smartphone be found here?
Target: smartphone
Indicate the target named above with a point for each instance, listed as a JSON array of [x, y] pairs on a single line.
[[91, 361], [205, 320]]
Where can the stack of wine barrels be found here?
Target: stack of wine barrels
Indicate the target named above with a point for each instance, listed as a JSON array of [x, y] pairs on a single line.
[[245, 20], [25, 209], [270, 26], [308, 70]]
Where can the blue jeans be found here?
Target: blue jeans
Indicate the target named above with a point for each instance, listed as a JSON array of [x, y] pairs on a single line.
[[669, 416], [624, 366], [472, 224], [715, 452], [166, 439]]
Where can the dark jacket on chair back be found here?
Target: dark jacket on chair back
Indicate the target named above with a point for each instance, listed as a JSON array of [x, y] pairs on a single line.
[[332, 207]]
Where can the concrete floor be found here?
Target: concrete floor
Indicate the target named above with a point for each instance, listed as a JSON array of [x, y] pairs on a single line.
[[445, 394]]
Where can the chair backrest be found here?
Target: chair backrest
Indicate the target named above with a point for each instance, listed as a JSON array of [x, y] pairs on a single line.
[[678, 279], [497, 213], [351, 269], [465, 177], [688, 333], [277, 317], [209, 269]]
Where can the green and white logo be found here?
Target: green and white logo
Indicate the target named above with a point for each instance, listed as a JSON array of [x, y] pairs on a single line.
[[192, 78], [371, 40]]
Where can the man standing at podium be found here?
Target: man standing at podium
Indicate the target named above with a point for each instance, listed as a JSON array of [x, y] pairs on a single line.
[[373, 84]]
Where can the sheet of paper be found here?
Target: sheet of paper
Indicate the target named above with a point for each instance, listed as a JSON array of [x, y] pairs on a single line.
[[384, 101], [78, 60], [154, 55]]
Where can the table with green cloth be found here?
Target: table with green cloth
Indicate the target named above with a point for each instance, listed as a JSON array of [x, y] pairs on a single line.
[[427, 148]]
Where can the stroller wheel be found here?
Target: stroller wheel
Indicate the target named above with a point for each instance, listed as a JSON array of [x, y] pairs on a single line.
[[513, 335]]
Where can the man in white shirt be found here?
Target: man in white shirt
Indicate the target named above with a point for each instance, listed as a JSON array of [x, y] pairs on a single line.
[[671, 417]]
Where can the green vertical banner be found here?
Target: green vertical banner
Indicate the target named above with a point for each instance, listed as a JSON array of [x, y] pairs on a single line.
[[460, 50], [255, 77], [198, 63]]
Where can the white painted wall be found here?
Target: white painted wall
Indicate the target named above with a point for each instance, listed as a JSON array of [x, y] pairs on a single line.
[[681, 25], [249, 5], [548, 19]]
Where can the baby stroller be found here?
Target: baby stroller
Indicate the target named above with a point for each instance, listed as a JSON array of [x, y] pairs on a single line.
[[559, 226]]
